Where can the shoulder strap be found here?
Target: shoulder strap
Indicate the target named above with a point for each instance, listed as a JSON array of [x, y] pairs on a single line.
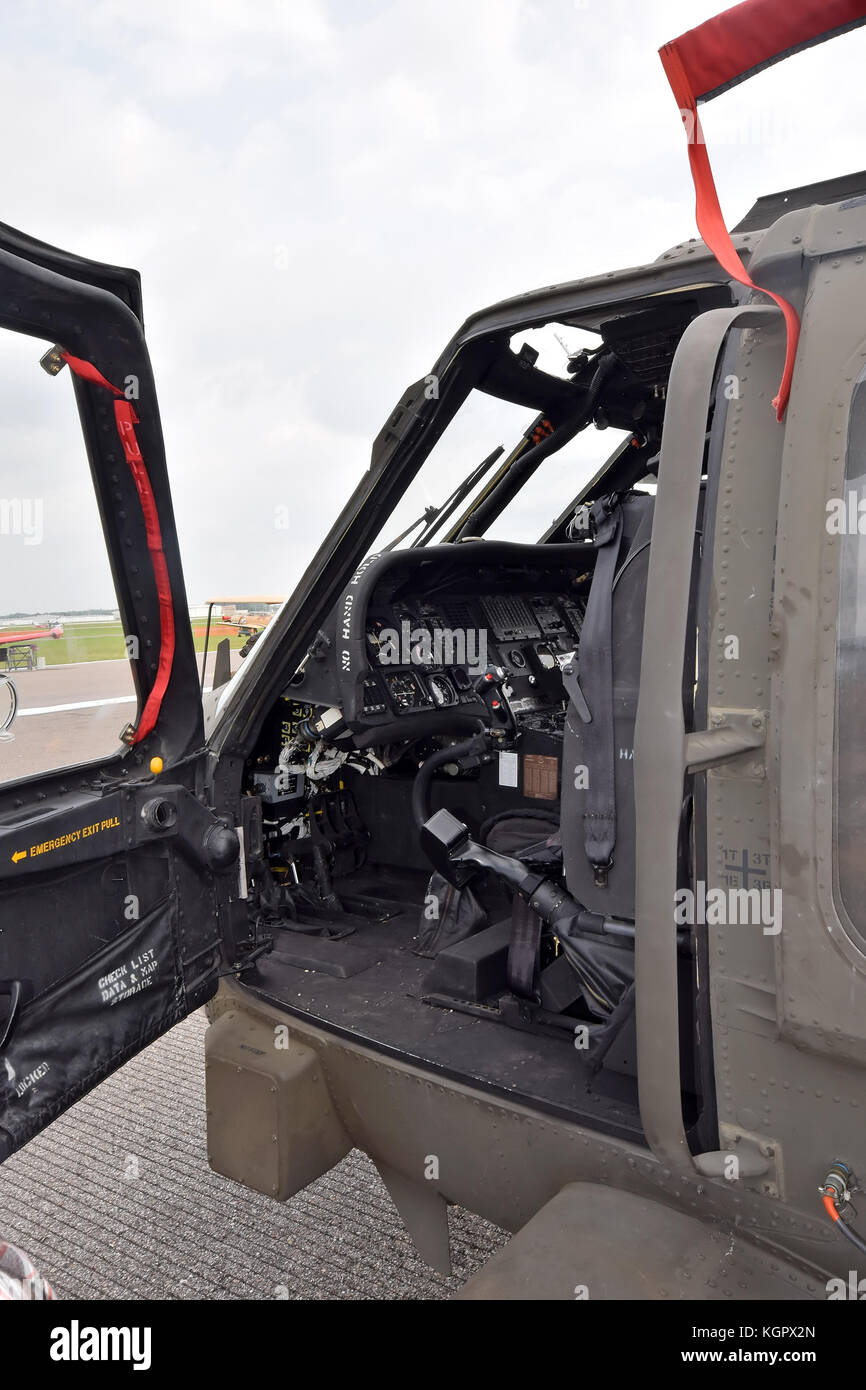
[[592, 696]]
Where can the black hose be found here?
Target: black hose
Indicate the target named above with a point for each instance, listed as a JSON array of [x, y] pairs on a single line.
[[851, 1234], [421, 786], [322, 873]]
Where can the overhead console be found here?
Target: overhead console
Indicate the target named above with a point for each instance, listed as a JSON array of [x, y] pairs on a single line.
[[449, 634]]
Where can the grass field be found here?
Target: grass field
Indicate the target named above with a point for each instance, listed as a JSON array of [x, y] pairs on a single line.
[[104, 642]]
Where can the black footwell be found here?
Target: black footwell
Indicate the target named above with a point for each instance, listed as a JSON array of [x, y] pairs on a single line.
[[369, 988]]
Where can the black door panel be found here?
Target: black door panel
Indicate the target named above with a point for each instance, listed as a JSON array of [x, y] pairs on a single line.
[[115, 875], [71, 1036]]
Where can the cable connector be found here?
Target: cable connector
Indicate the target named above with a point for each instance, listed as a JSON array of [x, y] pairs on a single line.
[[838, 1184], [836, 1194]]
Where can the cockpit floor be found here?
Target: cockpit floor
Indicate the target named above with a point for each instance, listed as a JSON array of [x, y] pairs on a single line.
[[368, 987]]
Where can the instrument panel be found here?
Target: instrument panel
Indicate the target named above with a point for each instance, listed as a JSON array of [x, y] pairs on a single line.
[[425, 655]]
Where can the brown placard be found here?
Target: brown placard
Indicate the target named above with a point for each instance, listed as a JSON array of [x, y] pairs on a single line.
[[540, 776]]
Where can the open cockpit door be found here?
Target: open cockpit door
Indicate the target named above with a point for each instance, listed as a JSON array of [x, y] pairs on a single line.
[[113, 872]]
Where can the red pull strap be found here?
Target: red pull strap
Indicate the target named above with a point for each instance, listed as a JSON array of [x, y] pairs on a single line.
[[711, 223], [126, 419], [89, 372], [716, 55]]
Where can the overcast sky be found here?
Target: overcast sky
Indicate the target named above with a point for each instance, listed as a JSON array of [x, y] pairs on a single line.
[[317, 193]]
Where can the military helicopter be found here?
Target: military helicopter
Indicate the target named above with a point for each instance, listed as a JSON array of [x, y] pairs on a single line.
[[532, 870]]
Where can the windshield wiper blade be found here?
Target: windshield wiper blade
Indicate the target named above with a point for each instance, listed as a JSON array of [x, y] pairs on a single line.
[[429, 514], [450, 505]]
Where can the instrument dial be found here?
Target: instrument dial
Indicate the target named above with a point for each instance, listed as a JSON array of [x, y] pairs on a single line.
[[442, 691], [407, 692]]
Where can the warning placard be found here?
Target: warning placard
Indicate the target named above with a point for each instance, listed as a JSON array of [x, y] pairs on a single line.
[[91, 830], [84, 832]]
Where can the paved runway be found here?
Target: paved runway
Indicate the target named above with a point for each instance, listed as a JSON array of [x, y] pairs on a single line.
[[64, 716], [69, 714], [116, 1200]]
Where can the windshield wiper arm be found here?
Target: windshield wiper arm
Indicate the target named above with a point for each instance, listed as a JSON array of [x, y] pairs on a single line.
[[433, 517], [458, 495]]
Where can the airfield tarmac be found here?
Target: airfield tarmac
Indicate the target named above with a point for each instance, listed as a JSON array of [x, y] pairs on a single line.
[[67, 714], [116, 1200], [72, 713]]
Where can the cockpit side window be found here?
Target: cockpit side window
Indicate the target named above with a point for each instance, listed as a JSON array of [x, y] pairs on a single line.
[[66, 683]]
